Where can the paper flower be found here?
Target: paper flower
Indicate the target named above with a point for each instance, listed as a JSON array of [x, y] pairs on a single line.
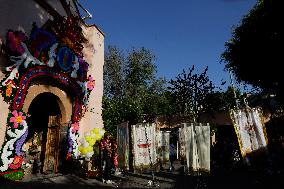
[[14, 40], [10, 80], [91, 83], [75, 127], [17, 119], [40, 40], [9, 90], [17, 162]]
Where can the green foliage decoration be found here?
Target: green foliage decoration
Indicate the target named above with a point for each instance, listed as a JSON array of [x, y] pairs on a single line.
[[15, 176]]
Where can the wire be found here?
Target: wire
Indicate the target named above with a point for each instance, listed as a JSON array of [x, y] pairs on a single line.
[[89, 15]]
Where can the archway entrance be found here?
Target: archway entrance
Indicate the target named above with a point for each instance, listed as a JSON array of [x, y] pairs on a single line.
[[44, 136]]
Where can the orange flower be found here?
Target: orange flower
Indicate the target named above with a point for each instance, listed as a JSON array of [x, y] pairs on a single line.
[[9, 90], [17, 159], [91, 83]]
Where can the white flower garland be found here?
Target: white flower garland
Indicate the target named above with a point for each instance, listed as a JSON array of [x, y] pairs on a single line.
[[9, 146], [74, 138], [13, 75], [26, 58]]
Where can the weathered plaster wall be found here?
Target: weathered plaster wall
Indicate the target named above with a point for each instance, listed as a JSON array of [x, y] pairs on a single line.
[[3, 119], [20, 14], [94, 55]]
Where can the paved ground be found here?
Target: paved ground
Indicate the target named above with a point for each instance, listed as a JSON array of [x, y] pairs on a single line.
[[224, 179], [72, 181], [165, 180]]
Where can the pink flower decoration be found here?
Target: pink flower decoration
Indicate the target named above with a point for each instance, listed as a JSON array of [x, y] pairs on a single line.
[[91, 83], [14, 40], [17, 119], [75, 127]]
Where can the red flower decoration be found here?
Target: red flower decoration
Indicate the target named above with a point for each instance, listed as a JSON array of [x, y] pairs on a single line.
[[17, 162], [69, 156]]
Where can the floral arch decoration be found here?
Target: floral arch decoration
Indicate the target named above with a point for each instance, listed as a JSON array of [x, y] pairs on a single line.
[[56, 52]]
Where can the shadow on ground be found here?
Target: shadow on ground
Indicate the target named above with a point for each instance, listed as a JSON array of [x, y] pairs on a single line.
[[233, 180], [61, 182]]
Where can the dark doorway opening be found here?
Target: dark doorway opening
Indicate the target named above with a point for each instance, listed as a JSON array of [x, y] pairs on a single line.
[[225, 154], [44, 133]]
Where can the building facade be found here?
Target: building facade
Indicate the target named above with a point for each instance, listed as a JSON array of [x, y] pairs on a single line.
[[51, 85]]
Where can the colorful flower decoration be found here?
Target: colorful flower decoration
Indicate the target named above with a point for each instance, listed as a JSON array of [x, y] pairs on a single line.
[[17, 119], [65, 58], [9, 90], [17, 162], [20, 143], [90, 83], [15, 136], [83, 69], [73, 144], [54, 52], [40, 41], [14, 40], [70, 33], [10, 81], [75, 127], [14, 175]]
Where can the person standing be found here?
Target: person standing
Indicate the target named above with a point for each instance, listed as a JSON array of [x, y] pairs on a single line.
[[106, 159]]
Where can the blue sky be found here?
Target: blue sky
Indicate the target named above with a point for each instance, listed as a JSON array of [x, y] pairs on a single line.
[[179, 32]]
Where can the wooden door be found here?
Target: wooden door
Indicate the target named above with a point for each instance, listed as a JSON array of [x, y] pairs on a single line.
[[52, 145]]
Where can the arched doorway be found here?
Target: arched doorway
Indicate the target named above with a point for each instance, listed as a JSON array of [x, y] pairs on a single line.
[[45, 133]]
